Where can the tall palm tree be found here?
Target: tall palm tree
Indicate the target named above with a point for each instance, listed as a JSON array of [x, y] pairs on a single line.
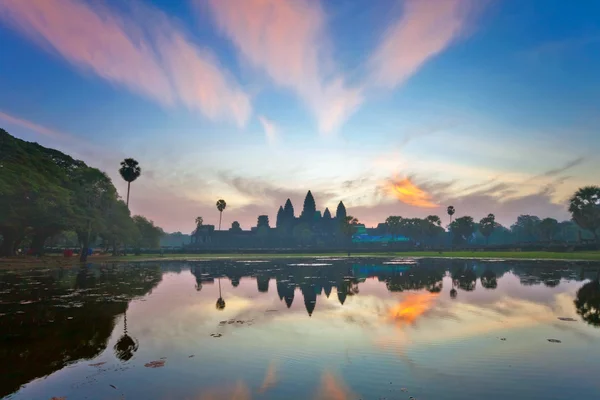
[[221, 207], [130, 170], [451, 212]]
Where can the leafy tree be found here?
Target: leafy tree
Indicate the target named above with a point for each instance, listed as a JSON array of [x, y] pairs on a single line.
[[93, 198], [433, 226], [394, 224], [450, 210], [130, 170], [487, 226], [526, 227], [548, 228], [199, 221], [462, 228], [149, 234], [119, 227], [584, 207], [235, 227], [221, 207]]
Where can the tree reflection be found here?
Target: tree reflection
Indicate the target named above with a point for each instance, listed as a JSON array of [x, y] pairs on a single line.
[[489, 280], [464, 278], [587, 302]]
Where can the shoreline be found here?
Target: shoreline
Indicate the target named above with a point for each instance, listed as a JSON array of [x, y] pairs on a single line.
[[30, 262]]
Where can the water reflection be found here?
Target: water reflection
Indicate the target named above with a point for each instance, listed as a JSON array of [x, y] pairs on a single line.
[[324, 329], [50, 319]]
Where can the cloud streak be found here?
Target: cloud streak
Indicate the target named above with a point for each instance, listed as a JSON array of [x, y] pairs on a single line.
[[271, 131], [425, 29], [149, 56], [285, 40], [42, 130]]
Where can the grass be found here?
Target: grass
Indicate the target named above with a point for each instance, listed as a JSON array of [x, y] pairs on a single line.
[[57, 261]]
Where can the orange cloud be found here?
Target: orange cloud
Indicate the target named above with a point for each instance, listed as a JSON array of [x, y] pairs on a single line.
[[407, 192], [117, 48], [285, 39], [332, 388], [425, 29], [238, 392], [411, 307], [270, 378]]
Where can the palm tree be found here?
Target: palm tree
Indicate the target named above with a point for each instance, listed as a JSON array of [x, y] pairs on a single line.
[[130, 170], [220, 302], [451, 212], [221, 207]]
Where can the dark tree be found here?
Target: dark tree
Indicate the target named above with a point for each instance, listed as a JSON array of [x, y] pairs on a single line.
[[486, 226], [549, 228], [221, 207], [309, 209], [130, 170], [526, 228], [584, 207], [340, 213], [394, 224], [462, 229]]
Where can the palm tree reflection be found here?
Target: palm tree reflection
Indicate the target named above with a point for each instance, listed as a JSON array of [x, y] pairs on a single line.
[[220, 302], [126, 345]]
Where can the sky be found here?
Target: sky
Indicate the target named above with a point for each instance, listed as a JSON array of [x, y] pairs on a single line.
[[395, 107]]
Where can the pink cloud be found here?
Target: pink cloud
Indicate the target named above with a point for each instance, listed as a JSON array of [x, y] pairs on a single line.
[[117, 48], [426, 28], [42, 130], [285, 40]]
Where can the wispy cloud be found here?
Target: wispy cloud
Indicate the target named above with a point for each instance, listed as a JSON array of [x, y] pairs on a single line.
[[285, 40], [426, 28], [149, 56], [271, 130], [42, 130]]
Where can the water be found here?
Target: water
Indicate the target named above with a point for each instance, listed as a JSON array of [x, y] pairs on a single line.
[[303, 329]]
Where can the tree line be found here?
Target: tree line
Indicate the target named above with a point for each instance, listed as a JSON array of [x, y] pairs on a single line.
[[45, 193]]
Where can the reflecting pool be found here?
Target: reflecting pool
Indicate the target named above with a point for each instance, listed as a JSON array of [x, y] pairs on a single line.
[[302, 329]]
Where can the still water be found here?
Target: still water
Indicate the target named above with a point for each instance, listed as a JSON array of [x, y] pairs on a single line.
[[306, 329]]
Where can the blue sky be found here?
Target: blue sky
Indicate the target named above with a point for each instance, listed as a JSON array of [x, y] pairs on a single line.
[[491, 106]]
